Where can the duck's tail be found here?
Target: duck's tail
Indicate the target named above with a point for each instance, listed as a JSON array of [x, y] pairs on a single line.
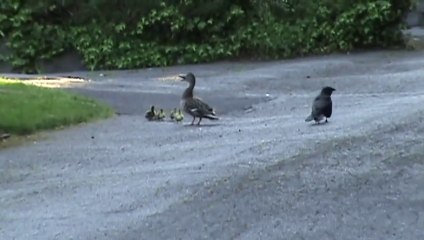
[[211, 117]]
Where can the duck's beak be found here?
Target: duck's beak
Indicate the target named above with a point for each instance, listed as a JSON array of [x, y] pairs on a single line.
[[182, 76]]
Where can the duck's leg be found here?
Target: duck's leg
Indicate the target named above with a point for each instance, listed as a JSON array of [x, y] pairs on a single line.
[[192, 122], [200, 119]]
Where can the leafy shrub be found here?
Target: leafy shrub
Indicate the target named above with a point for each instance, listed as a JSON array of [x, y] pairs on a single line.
[[376, 26], [114, 34]]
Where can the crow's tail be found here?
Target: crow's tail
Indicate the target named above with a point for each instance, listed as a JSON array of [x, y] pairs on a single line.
[[309, 118]]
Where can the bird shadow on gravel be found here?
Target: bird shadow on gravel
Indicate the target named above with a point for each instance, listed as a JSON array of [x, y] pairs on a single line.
[[319, 124], [203, 125]]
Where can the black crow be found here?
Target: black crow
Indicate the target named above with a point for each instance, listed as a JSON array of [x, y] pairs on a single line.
[[322, 106]]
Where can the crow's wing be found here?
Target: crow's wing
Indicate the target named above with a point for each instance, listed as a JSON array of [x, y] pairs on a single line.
[[322, 106]]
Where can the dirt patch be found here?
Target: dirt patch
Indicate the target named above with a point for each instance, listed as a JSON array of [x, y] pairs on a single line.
[[51, 81]]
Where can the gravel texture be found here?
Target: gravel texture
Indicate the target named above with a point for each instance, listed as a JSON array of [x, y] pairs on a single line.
[[260, 172]]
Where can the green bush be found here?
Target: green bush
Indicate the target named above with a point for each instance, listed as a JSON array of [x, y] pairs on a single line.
[[114, 34]]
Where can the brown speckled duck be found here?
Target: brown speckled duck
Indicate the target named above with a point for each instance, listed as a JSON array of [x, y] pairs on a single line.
[[193, 105]]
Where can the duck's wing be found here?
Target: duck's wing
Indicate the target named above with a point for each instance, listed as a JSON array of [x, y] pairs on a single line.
[[198, 108]]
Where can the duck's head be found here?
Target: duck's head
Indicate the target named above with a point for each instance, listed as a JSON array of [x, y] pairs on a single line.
[[152, 108], [189, 77]]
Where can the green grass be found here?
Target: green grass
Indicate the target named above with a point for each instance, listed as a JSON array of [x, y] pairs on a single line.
[[26, 109]]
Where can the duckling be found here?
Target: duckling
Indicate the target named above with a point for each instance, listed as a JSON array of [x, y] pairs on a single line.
[[172, 114], [151, 114], [179, 116], [161, 115]]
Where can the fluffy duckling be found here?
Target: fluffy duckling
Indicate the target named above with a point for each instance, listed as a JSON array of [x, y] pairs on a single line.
[[179, 116], [172, 114], [161, 115], [151, 114]]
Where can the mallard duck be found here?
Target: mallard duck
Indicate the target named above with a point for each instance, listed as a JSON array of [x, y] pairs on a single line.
[[172, 114], [151, 114], [192, 105], [179, 116], [161, 115], [322, 106]]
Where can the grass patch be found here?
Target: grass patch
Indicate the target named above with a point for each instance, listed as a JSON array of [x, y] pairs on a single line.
[[26, 109]]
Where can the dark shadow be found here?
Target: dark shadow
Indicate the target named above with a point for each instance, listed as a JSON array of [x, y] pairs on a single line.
[[202, 125], [323, 123]]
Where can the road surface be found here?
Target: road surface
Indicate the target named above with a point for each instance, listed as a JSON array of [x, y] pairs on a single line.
[[260, 172]]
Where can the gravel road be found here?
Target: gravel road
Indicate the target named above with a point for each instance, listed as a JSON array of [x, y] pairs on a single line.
[[260, 172]]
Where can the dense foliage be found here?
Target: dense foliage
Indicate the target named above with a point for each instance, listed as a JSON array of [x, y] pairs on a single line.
[[114, 34]]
